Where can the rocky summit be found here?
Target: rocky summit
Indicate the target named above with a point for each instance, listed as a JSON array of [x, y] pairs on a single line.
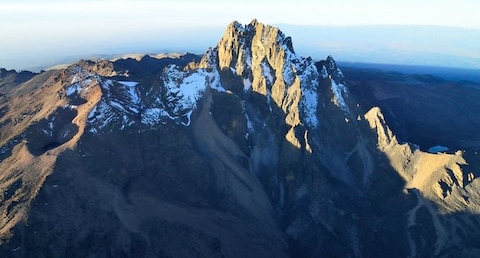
[[247, 151]]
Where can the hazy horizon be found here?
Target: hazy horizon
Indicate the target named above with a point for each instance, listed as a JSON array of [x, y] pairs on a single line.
[[40, 34]]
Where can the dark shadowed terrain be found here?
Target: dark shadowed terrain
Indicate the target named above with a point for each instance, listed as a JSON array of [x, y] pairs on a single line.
[[424, 109]]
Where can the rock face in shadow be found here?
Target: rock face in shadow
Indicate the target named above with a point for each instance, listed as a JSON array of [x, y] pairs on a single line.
[[51, 132], [248, 151], [12, 78], [422, 109]]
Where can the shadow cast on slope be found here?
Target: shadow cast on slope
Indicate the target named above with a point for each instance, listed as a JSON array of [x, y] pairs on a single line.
[[325, 215], [425, 110], [51, 132]]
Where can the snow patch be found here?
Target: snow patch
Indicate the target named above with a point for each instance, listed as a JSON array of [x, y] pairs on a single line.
[[247, 84], [151, 116], [132, 91], [437, 149], [214, 79], [75, 79], [289, 68], [188, 115], [218, 87], [186, 88], [91, 115], [128, 83], [267, 72], [324, 72], [248, 59], [134, 110], [71, 107], [338, 90], [101, 115], [310, 107], [106, 84], [309, 84], [117, 105], [72, 89], [288, 75], [192, 87], [47, 132]]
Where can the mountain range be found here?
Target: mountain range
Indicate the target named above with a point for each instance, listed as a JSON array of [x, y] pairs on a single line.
[[247, 151]]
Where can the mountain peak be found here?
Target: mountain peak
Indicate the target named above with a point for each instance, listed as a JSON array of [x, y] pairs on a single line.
[[172, 156], [234, 26], [245, 33], [334, 71], [256, 40]]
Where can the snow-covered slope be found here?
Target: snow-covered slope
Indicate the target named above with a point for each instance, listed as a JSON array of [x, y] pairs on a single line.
[[260, 55], [126, 103]]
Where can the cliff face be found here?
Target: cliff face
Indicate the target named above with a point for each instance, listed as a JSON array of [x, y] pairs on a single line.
[[248, 151]]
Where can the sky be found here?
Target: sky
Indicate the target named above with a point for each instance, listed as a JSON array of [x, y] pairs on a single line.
[[39, 33]]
